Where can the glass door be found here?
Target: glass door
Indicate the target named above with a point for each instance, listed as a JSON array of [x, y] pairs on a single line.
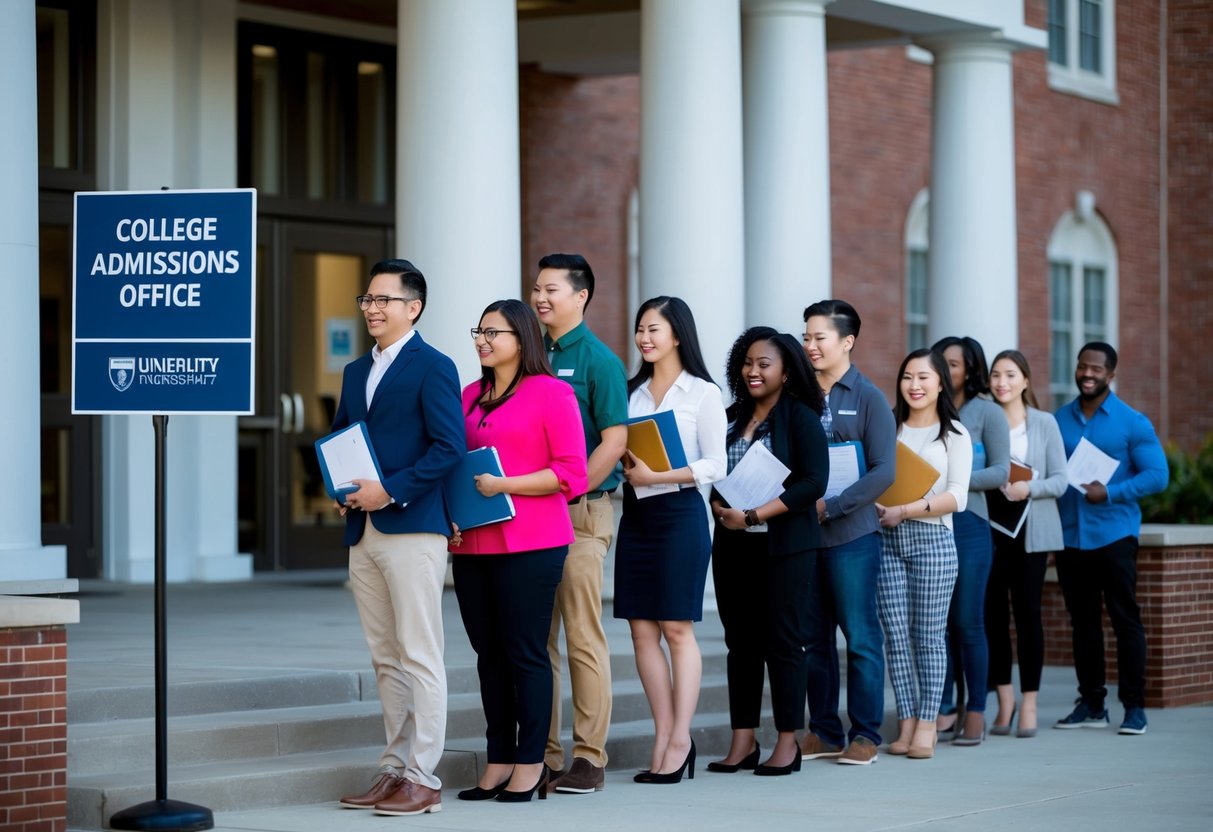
[[309, 328]]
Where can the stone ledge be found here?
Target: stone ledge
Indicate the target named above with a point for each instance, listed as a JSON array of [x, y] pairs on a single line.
[[20, 612], [1162, 535], [53, 586]]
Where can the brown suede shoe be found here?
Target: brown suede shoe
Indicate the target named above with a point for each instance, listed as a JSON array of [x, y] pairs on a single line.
[[385, 785], [411, 799], [812, 747], [583, 777]]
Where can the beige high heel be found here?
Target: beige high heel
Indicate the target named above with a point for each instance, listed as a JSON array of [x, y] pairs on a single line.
[[905, 727], [923, 752]]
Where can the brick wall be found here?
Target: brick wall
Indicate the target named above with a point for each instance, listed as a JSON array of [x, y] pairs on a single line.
[[1175, 592], [33, 730]]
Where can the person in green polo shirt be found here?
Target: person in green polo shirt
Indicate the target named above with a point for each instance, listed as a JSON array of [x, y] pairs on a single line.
[[562, 291]]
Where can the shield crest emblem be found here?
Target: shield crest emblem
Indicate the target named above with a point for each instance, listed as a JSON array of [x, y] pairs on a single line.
[[122, 373]]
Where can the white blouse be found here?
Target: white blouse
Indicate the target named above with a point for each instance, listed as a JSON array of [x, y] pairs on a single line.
[[953, 461], [699, 411]]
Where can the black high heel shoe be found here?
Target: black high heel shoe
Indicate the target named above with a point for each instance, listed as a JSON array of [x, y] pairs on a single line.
[[477, 793], [749, 763], [507, 796], [687, 767], [776, 771]]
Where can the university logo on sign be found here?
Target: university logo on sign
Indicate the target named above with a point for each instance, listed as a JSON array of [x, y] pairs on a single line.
[[122, 373]]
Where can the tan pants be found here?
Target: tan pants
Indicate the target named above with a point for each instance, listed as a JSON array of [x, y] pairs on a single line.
[[579, 605], [397, 582]]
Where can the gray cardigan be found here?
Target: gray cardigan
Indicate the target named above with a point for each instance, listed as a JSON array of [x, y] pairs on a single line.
[[987, 424], [1047, 458]]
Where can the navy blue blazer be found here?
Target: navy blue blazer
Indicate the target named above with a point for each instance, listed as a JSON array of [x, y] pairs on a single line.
[[416, 427]]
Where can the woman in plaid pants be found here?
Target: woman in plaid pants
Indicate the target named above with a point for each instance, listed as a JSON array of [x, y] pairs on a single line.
[[918, 552]]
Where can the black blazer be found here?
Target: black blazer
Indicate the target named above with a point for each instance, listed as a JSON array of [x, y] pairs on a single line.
[[797, 441]]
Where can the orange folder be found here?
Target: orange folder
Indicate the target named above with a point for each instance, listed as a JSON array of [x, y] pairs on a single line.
[[644, 440], [915, 476]]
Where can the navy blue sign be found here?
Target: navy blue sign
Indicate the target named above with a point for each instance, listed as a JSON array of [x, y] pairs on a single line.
[[164, 301]]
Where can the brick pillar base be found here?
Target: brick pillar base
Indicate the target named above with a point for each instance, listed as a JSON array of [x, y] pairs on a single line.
[[33, 729], [1175, 592]]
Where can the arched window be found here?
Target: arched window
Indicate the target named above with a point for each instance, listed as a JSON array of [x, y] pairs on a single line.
[[916, 272], [1082, 291]]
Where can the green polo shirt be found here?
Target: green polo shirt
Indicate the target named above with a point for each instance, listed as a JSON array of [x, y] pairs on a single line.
[[599, 380]]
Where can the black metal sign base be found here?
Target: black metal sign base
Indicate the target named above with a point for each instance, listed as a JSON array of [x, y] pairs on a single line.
[[164, 815]]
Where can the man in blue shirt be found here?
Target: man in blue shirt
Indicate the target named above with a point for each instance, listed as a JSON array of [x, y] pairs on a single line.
[[1100, 530]]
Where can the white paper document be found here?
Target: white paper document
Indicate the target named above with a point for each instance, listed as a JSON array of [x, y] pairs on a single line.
[[1089, 464], [347, 456], [844, 468], [755, 481]]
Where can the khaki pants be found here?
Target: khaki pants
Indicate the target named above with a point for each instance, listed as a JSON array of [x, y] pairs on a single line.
[[397, 581], [579, 605]]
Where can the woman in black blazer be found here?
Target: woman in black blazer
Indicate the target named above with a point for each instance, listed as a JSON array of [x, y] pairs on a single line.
[[763, 556]]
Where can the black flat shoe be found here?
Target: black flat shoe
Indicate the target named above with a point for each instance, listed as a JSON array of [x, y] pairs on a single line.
[[749, 763], [687, 767], [477, 793], [507, 796], [778, 771]]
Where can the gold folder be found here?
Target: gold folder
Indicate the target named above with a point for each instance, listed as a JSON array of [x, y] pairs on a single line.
[[644, 440], [915, 477]]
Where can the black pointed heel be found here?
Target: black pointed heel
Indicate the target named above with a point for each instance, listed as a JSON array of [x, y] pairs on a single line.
[[687, 767], [777, 771], [477, 793], [748, 764], [507, 796]]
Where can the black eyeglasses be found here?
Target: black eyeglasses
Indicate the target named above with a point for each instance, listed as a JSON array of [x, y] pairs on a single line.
[[490, 333], [381, 301]]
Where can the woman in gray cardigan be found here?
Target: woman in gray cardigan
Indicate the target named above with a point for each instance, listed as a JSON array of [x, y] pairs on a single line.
[[1020, 562], [987, 427]]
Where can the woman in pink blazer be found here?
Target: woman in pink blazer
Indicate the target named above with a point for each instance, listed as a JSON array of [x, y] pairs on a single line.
[[506, 573]]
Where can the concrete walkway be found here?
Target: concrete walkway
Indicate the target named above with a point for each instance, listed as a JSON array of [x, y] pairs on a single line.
[[1072, 780]]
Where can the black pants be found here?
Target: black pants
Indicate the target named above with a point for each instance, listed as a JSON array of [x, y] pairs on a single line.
[[506, 605], [1108, 573], [762, 602], [1022, 575]]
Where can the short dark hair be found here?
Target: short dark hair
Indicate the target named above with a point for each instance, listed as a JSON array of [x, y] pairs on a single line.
[[1106, 349], [977, 374], [411, 279], [581, 276], [841, 314]]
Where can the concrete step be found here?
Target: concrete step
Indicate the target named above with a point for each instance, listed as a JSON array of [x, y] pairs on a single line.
[[120, 746]]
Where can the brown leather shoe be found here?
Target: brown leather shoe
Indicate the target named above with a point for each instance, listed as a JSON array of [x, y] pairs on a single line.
[[411, 799], [583, 777], [385, 785]]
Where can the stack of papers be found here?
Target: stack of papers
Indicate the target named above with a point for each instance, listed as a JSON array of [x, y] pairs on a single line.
[[346, 456]]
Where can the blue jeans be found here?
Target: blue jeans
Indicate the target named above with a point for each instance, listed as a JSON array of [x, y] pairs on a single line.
[[843, 594], [966, 615]]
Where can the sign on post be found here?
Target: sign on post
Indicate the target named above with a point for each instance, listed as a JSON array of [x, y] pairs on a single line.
[[163, 302]]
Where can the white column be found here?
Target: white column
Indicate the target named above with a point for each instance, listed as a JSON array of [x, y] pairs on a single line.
[[691, 201], [166, 115], [787, 160], [973, 272], [458, 203], [22, 555]]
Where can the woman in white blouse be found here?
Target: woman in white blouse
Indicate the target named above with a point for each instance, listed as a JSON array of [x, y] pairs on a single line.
[[918, 552], [663, 548]]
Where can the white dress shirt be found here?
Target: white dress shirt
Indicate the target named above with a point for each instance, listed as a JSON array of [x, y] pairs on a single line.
[[380, 361], [699, 411]]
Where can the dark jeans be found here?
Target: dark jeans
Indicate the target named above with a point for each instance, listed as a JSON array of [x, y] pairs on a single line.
[[966, 614], [506, 605], [842, 593], [762, 600], [1108, 573], [1022, 575]]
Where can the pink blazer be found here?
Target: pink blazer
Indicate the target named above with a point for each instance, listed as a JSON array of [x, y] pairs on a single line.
[[538, 427]]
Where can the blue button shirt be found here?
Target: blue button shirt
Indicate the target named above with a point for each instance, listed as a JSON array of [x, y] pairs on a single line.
[[1123, 434]]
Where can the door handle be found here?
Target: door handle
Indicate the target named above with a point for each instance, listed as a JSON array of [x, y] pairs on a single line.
[[299, 425], [288, 411]]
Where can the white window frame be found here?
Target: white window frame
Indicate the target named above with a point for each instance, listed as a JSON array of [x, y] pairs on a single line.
[[1069, 77], [917, 241], [1082, 240]]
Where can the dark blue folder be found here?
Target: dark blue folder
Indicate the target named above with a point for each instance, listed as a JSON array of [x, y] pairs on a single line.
[[467, 506], [353, 435], [655, 439]]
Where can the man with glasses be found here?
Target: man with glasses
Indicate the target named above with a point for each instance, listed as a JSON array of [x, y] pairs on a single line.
[[561, 293], [408, 395]]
